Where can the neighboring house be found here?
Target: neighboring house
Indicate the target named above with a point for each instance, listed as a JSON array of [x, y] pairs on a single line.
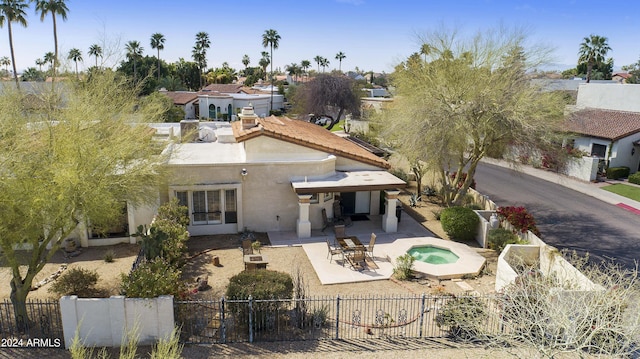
[[223, 101], [605, 124], [376, 92], [612, 136], [186, 100], [275, 174], [620, 77]]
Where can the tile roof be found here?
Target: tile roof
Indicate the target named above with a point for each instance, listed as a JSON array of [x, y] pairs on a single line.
[[224, 88], [180, 97], [607, 124], [309, 135]]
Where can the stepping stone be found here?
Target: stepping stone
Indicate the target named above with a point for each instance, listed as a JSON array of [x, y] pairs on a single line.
[[464, 286]]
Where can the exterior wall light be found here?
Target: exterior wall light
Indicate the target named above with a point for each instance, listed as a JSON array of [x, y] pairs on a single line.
[[244, 172]]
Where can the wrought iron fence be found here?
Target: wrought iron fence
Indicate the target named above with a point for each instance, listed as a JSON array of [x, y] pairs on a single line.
[[43, 323], [250, 320]]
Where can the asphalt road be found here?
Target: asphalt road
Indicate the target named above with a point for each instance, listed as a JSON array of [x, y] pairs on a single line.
[[567, 219]]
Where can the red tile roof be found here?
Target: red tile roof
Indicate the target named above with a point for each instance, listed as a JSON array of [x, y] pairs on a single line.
[[607, 124], [223, 88], [309, 135], [181, 98]]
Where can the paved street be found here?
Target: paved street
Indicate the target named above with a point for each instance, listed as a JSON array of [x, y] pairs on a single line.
[[567, 218]]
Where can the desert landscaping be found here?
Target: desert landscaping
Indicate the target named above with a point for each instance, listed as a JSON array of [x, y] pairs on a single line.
[[227, 249]]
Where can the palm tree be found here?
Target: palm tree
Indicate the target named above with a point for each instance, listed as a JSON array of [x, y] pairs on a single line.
[[425, 49], [246, 61], [75, 55], [40, 62], [49, 58], [304, 65], [5, 61], [318, 60], [53, 7], [13, 11], [95, 50], [134, 51], [272, 39], [592, 51], [264, 62], [157, 42], [200, 52], [340, 56], [324, 63]]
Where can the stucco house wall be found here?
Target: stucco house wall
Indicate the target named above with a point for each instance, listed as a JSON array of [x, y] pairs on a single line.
[[619, 97]]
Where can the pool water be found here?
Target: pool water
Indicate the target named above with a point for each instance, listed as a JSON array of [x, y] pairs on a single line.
[[433, 255]]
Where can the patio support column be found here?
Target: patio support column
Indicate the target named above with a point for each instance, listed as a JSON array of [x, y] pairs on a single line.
[[389, 219], [303, 226]]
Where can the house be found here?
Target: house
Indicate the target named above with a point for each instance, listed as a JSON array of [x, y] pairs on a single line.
[[605, 124], [620, 77], [186, 100], [223, 101], [611, 136], [274, 174]]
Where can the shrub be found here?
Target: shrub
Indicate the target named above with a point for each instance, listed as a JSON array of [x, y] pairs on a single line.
[[464, 317], [617, 172], [460, 223], [173, 211], [108, 256], [400, 173], [499, 238], [635, 178], [404, 267], [151, 279], [519, 218], [76, 281], [260, 284]]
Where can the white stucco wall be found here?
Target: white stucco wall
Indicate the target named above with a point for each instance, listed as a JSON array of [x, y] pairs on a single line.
[[620, 150], [583, 168], [621, 97], [105, 322]]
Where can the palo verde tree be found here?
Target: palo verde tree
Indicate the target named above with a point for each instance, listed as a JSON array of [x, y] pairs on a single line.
[[66, 163], [469, 96], [329, 96]]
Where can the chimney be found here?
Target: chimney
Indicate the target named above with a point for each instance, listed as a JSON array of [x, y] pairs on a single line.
[[248, 117], [189, 130]]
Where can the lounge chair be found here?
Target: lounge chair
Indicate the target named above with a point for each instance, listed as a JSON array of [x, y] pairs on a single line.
[[372, 242], [334, 251], [357, 260]]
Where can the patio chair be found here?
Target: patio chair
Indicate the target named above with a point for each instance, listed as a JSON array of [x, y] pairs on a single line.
[[372, 242], [246, 247], [357, 260], [334, 251], [338, 216], [339, 231], [327, 222]]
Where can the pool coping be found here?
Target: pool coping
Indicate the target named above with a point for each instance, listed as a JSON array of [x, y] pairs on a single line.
[[469, 263]]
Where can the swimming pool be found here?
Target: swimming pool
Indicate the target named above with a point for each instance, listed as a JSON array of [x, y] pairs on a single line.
[[433, 255]]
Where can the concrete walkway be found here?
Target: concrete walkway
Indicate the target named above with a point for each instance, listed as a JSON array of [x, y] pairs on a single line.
[[588, 188]]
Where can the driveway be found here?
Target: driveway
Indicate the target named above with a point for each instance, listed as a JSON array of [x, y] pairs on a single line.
[[566, 218]]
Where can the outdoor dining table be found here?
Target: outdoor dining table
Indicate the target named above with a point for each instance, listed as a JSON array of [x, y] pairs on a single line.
[[350, 243]]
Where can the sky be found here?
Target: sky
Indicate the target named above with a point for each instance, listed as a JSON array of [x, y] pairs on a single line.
[[375, 35]]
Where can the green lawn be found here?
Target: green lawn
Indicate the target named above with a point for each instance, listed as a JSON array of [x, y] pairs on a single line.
[[338, 127], [624, 190]]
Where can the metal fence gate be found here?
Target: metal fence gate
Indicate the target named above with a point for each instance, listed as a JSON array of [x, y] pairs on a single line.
[[250, 320], [41, 328]]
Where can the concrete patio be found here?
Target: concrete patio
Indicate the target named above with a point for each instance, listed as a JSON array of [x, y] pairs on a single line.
[[334, 272]]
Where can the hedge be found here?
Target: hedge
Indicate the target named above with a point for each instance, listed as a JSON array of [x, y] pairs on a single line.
[[460, 223]]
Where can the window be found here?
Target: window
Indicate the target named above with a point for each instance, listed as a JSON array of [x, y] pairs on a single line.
[[598, 150], [217, 206], [314, 198], [328, 197]]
